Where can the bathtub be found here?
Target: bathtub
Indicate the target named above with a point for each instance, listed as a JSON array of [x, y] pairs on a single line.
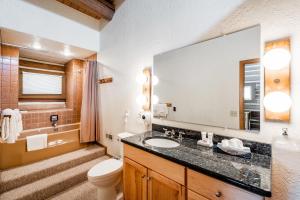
[[63, 139]]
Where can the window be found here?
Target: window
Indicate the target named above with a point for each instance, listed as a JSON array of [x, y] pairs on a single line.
[[41, 85]]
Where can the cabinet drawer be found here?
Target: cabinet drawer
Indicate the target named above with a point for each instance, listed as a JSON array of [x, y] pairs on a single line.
[[194, 196], [165, 167], [212, 188]]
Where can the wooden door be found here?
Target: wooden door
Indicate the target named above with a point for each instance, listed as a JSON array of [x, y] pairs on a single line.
[[162, 188], [134, 180]]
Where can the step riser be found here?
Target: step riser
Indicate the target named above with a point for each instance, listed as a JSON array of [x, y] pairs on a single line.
[[12, 184], [57, 188]]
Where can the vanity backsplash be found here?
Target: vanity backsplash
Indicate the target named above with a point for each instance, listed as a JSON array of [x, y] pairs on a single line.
[[256, 147]]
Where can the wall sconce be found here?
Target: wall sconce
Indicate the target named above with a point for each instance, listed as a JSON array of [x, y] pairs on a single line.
[[146, 80], [276, 62]]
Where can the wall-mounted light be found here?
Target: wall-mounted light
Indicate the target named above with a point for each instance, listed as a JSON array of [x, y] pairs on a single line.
[[276, 58], [276, 61], [277, 102], [141, 100], [154, 80], [155, 99], [141, 78]]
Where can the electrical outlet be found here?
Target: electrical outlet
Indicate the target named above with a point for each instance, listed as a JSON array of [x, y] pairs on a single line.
[[109, 136], [233, 113]]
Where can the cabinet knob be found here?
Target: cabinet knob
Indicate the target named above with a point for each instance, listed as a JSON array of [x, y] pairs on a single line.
[[143, 176], [218, 194]]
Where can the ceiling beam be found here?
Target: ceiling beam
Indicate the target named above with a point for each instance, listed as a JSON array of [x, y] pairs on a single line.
[[94, 8]]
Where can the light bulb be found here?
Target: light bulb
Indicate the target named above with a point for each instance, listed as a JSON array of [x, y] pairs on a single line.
[[276, 59], [141, 78], [36, 45], [67, 51], [155, 80], [277, 102], [141, 100], [155, 99]]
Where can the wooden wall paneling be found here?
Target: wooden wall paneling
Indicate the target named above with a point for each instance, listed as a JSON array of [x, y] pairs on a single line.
[[277, 80], [27, 63]]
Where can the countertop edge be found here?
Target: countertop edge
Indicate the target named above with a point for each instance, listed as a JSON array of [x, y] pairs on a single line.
[[206, 172]]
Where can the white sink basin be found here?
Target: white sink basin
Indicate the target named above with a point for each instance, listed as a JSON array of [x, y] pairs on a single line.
[[162, 142]]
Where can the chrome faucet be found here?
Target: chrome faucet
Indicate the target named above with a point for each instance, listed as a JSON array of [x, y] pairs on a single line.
[[181, 133]]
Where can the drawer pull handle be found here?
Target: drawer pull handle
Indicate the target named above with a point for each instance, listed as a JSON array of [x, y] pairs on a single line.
[[218, 194]]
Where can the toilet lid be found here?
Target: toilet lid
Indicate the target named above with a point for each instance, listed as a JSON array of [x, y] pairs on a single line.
[[105, 168]]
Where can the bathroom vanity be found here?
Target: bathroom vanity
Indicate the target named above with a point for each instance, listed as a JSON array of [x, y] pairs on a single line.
[[193, 172]]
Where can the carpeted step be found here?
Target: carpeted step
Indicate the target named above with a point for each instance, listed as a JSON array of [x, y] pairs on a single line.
[[17, 177], [49, 186], [82, 191]]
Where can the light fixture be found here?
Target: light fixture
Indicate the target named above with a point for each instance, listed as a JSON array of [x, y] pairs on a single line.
[[277, 102], [67, 51], [141, 79], [36, 45], [276, 58], [155, 99], [141, 100], [154, 80]]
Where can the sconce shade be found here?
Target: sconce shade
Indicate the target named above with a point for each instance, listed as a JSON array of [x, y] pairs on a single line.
[[276, 59], [141, 100], [155, 99], [277, 102], [154, 80], [141, 79]]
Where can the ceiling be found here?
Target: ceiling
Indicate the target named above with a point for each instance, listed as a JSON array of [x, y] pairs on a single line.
[[98, 9], [33, 47]]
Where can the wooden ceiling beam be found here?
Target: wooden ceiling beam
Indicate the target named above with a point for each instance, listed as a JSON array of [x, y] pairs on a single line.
[[94, 8]]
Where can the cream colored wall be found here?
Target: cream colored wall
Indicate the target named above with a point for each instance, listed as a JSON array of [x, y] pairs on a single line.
[[141, 29]]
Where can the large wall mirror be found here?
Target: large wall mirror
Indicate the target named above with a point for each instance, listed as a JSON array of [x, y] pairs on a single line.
[[215, 82]]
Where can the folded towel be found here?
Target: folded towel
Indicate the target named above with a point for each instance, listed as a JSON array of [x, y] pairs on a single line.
[[160, 110], [19, 123], [36, 142], [9, 124]]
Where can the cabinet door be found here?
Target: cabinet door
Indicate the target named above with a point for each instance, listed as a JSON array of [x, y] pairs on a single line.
[[194, 196], [162, 188], [134, 180]]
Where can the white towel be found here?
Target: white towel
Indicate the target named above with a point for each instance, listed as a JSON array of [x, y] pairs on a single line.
[[19, 123], [36, 142], [160, 110], [5, 128], [11, 133]]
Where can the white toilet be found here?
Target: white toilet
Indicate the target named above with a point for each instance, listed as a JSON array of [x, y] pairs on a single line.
[[107, 175]]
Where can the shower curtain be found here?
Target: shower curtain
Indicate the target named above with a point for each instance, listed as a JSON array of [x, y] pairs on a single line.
[[90, 120]]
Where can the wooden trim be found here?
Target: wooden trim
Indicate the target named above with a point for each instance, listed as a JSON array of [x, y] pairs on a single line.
[[283, 85], [105, 80], [195, 196], [95, 8], [241, 88], [38, 65], [32, 97]]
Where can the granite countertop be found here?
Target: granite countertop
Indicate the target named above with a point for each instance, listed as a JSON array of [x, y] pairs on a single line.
[[252, 174]]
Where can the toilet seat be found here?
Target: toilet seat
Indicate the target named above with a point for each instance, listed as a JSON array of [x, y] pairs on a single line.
[[105, 169]]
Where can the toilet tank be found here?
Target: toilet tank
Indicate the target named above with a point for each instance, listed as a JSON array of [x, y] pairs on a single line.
[[121, 136]]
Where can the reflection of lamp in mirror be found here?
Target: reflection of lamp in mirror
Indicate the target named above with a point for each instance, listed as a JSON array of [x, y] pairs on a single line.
[[154, 80], [155, 99], [277, 102], [276, 58]]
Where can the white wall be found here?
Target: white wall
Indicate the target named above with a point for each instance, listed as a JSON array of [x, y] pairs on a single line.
[[195, 78], [142, 28], [52, 20], [139, 30]]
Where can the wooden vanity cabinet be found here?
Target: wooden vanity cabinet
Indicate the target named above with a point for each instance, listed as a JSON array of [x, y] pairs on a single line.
[[150, 177], [135, 177]]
